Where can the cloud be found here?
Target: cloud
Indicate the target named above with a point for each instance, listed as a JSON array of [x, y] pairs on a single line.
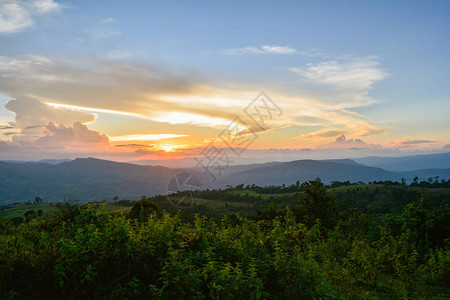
[[321, 133], [109, 21], [263, 49], [99, 33], [146, 137], [344, 82], [446, 147], [415, 142], [78, 135], [45, 6], [342, 142], [16, 15], [30, 114], [59, 90]]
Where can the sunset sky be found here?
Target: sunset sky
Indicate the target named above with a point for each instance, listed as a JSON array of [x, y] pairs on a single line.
[[159, 80]]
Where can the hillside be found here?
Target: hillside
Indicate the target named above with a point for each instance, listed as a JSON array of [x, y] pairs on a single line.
[[408, 163], [304, 170], [88, 179], [95, 180]]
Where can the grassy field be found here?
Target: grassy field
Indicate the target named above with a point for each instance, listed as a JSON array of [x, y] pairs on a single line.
[[48, 209], [264, 196], [18, 210]]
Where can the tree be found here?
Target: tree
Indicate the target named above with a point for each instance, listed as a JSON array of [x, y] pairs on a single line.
[[37, 200], [316, 203], [30, 214], [143, 209]]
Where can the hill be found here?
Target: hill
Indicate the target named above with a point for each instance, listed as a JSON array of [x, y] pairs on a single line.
[[408, 163], [83, 178], [93, 179], [304, 170]]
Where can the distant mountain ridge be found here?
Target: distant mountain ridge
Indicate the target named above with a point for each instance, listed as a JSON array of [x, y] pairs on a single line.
[[304, 170], [90, 179], [408, 163]]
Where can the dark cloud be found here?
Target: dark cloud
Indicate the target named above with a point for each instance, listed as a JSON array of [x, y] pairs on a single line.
[[415, 142]]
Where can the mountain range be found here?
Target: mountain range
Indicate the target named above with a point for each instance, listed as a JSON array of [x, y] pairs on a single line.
[[90, 179]]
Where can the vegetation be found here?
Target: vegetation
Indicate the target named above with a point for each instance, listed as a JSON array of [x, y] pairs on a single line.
[[320, 247]]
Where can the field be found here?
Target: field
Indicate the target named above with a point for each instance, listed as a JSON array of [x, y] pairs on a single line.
[[49, 209]]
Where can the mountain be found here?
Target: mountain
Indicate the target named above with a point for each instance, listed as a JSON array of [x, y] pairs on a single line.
[[84, 179], [304, 170], [90, 179], [424, 174], [408, 163], [44, 161]]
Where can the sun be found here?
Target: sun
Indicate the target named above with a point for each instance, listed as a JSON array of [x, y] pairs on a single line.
[[168, 148]]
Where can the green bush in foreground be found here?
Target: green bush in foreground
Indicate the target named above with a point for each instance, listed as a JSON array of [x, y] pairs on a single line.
[[86, 253]]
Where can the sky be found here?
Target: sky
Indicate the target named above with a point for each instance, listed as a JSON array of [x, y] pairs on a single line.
[[171, 81]]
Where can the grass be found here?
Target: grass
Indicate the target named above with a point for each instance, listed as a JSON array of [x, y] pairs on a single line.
[[264, 196], [18, 210], [370, 187], [211, 204]]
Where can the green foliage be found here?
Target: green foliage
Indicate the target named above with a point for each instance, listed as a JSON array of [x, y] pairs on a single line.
[[317, 204], [310, 252], [143, 209]]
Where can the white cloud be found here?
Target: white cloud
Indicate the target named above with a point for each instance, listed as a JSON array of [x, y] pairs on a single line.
[[31, 113], [45, 6], [79, 135], [16, 16], [342, 142], [346, 82], [110, 21], [263, 49]]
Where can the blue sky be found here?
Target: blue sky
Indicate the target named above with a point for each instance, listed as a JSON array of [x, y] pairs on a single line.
[[374, 71]]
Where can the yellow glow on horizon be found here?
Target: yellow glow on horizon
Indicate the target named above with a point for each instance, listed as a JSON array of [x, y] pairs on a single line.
[[145, 137], [169, 147]]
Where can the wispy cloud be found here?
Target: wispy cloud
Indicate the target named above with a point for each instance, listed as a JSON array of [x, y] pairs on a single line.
[[263, 49], [346, 82], [109, 21], [415, 142], [17, 15], [145, 137]]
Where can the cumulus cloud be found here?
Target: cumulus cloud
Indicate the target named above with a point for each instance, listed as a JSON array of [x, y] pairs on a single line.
[[78, 135], [446, 147], [263, 49], [342, 142], [16, 15], [31, 114]]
